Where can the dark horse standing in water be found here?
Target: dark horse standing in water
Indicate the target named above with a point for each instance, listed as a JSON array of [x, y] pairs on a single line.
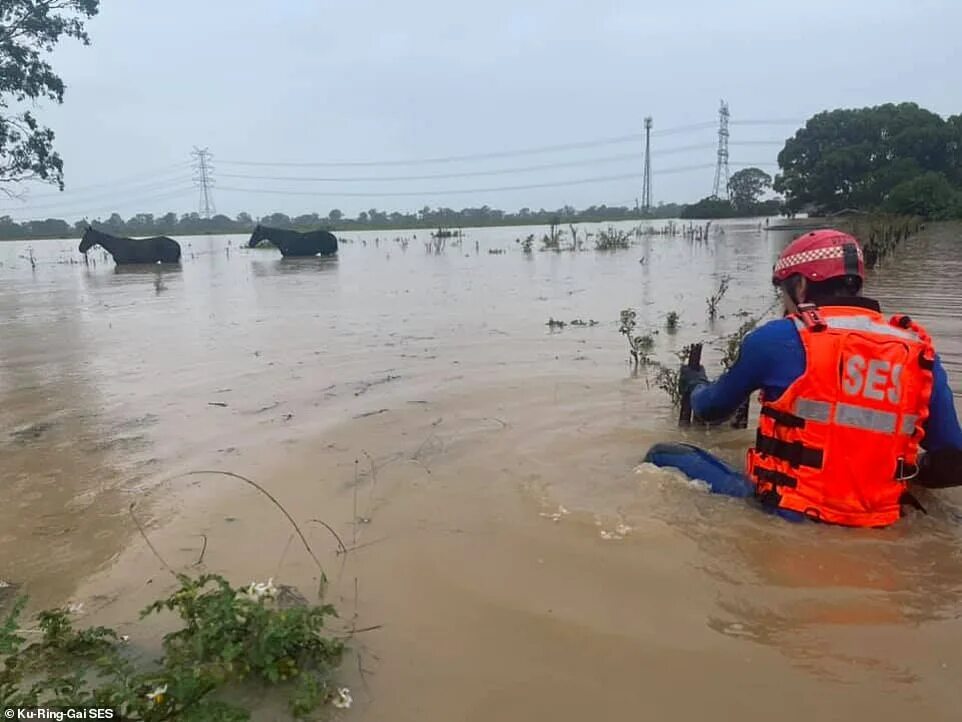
[[292, 243], [159, 249]]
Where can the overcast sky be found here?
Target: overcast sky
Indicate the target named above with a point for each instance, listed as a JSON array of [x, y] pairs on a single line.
[[296, 81]]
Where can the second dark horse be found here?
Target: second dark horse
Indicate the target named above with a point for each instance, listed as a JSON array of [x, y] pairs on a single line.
[[159, 249], [292, 243]]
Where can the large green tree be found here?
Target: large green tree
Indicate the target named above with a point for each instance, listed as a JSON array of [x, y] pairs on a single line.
[[746, 187], [853, 158], [929, 194], [29, 31]]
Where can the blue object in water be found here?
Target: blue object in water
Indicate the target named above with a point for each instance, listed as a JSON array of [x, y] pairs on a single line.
[[721, 478]]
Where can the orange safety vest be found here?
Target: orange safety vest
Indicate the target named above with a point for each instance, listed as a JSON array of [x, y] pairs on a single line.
[[841, 442]]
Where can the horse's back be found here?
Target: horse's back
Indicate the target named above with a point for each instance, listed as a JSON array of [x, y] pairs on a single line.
[[326, 242], [166, 248]]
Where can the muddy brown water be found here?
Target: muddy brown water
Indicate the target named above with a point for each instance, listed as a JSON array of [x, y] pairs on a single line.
[[519, 561]]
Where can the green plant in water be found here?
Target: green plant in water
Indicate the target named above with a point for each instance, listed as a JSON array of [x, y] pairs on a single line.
[[669, 381], [555, 324], [639, 347], [229, 636], [552, 241], [671, 321], [527, 243], [716, 298], [612, 239]]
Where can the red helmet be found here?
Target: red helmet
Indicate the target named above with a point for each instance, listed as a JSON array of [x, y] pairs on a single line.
[[820, 255]]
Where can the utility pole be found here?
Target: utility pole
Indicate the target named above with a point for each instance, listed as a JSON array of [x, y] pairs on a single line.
[[646, 186], [721, 169], [203, 177]]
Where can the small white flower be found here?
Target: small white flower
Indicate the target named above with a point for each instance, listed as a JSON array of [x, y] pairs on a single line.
[[157, 696], [124, 638], [262, 590], [75, 608], [343, 699], [556, 516], [611, 535], [4, 584]]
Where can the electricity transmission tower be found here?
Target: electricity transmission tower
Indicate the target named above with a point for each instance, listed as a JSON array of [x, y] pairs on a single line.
[[721, 169], [203, 177], [646, 186]]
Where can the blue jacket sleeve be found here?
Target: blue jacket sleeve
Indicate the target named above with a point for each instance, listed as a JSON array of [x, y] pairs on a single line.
[[757, 359], [942, 430]]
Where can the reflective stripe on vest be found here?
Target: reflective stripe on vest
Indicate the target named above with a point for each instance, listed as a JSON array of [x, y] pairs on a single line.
[[860, 417], [860, 323], [854, 416], [812, 410]]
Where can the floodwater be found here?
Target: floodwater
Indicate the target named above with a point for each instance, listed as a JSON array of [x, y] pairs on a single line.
[[482, 467]]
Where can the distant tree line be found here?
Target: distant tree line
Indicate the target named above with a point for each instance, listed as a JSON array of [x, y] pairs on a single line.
[[171, 224], [745, 190]]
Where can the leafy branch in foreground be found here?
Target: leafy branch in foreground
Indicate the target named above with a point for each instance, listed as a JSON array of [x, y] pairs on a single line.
[[229, 637], [29, 32]]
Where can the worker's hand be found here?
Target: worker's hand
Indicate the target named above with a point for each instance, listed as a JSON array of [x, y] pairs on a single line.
[[689, 379]]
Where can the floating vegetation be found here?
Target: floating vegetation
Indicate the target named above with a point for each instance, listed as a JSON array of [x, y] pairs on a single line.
[[552, 241], [612, 239]]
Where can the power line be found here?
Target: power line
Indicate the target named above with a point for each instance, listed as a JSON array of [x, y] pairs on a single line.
[[146, 176], [475, 174], [68, 201], [203, 170], [774, 121], [685, 128], [86, 211], [466, 174], [450, 191], [460, 191], [444, 159], [631, 137]]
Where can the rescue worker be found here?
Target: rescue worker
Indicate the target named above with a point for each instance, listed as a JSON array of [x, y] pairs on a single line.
[[849, 399]]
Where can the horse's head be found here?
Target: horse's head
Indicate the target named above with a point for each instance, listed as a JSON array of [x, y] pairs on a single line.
[[88, 241], [257, 236]]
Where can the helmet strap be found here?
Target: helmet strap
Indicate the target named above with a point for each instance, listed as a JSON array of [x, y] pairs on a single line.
[[811, 317]]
